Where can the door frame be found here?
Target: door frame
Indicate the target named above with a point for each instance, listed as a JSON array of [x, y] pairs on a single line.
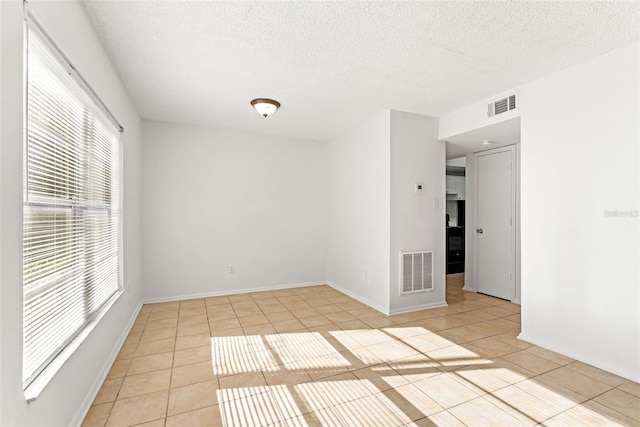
[[515, 222]]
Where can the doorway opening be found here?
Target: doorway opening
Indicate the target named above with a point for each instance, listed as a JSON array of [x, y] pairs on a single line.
[[455, 220], [468, 155]]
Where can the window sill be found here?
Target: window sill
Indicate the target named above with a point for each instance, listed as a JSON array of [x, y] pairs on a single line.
[[33, 390]]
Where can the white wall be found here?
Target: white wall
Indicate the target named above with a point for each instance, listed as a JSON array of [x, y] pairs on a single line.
[[69, 394], [580, 278], [359, 212], [2, 106], [474, 117], [212, 199], [417, 156]]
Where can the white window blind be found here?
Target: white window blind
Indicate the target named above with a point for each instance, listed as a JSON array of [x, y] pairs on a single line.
[[71, 216]]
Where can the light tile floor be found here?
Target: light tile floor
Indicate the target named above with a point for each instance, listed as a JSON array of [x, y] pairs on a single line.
[[313, 356]]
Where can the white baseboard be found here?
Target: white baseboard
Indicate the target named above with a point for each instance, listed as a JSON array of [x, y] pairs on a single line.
[[468, 289], [383, 310], [582, 357], [419, 307], [229, 292], [102, 375]]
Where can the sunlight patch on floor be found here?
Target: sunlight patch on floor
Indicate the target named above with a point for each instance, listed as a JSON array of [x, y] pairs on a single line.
[[305, 350], [350, 402], [237, 354]]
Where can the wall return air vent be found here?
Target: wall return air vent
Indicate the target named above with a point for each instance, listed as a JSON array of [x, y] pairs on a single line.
[[502, 105], [416, 271]]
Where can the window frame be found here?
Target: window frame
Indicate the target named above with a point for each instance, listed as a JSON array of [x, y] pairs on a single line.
[[40, 377]]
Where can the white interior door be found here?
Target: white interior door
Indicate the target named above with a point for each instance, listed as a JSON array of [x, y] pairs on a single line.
[[495, 238]]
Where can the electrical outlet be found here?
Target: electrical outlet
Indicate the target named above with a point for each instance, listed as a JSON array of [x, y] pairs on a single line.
[[232, 269]]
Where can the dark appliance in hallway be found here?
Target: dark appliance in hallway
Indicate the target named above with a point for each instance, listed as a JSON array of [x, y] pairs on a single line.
[[455, 242]]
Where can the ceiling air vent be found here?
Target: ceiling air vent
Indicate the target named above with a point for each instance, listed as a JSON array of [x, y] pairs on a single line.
[[502, 105], [416, 272]]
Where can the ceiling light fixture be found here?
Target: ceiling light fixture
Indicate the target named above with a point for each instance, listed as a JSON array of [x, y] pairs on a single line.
[[265, 106], [487, 142]]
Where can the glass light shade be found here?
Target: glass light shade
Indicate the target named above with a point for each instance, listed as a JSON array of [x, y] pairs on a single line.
[[265, 106]]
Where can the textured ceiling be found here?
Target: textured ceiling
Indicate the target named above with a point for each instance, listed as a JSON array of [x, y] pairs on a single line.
[[333, 64]]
